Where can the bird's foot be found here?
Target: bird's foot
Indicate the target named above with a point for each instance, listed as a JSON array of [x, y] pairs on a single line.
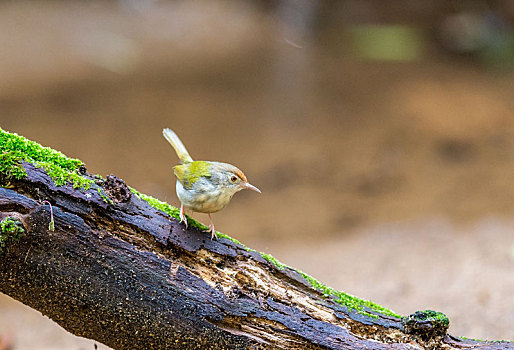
[[183, 218], [212, 231], [211, 228]]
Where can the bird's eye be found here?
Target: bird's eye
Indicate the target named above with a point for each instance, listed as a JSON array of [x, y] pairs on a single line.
[[233, 178]]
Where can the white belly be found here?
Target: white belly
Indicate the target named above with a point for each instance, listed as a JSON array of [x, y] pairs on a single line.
[[208, 200]]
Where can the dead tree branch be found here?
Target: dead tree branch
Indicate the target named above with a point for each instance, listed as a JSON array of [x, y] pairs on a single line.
[[119, 271]]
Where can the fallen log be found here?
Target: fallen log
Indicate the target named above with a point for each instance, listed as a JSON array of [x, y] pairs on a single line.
[[110, 264]]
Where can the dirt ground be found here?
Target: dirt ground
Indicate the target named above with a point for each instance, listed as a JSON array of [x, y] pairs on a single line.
[[390, 181]]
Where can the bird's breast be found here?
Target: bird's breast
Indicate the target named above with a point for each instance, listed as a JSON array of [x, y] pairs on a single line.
[[203, 197]]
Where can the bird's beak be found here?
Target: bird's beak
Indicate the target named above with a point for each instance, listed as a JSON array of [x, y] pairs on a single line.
[[251, 187]]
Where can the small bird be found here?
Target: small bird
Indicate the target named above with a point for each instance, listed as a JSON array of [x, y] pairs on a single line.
[[204, 186]]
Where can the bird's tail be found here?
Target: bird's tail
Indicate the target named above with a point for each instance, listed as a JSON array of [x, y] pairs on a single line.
[[179, 147]]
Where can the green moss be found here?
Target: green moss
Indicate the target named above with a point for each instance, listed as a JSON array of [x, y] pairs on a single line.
[[485, 340], [472, 339], [11, 167], [435, 318], [427, 324], [104, 196], [157, 204], [348, 300], [15, 149], [175, 212], [222, 235], [10, 229], [274, 261], [62, 176], [11, 226], [168, 209]]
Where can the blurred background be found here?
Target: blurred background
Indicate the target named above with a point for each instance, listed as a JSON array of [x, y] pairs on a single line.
[[380, 133]]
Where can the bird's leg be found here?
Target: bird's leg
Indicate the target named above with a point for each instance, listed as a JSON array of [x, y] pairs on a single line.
[[182, 215], [211, 228]]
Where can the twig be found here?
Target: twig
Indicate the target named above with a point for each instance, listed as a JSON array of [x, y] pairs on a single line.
[[51, 225]]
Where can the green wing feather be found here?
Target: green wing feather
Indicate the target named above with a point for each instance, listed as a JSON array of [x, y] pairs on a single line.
[[190, 173]]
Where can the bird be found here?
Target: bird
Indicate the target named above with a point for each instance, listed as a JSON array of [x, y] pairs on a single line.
[[204, 186]]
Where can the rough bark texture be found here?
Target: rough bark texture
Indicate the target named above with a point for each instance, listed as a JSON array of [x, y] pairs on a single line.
[[131, 277]]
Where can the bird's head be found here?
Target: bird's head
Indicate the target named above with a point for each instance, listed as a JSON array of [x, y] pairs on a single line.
[[231, 178]]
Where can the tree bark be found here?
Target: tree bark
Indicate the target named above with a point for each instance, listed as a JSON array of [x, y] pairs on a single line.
[[129, 276]]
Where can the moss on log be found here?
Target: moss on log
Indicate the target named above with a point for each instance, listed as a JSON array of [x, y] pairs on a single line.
[[120, 269]]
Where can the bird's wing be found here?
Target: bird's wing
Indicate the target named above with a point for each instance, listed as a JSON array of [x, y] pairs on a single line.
[[190, 173], [179, 147], [181, 172]]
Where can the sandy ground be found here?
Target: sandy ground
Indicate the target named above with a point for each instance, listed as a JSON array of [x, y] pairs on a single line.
[[392, 182]]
